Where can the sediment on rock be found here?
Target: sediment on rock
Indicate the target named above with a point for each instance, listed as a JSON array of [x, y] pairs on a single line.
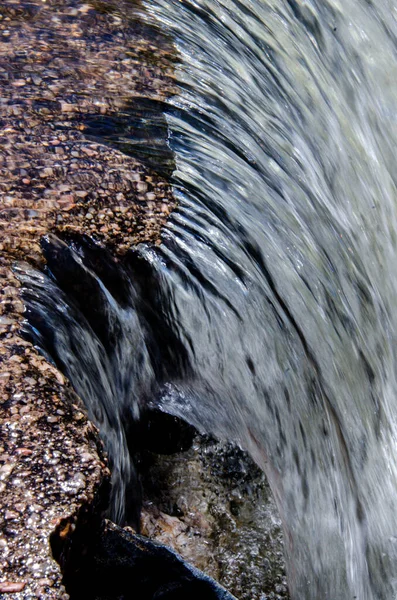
[[69, 72]]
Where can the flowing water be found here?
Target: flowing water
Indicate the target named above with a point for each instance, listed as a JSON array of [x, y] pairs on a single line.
[[268, 314]]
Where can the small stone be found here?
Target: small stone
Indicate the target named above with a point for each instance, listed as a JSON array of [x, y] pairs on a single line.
[[141, 186], [9, 587], [6, 470], [66, 108], [86, 457], [47, 172], [67, 202], [35, 508], [9, 515], [88, 151], [24, 451], [19, 83]]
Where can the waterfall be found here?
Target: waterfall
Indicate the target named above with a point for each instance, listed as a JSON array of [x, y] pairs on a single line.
[[268, 315]]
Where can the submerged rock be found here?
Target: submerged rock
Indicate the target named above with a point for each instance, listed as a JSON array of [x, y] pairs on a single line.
[[213, 505], [82, 67]]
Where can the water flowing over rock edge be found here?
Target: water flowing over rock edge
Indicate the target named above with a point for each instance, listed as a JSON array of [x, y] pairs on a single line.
[[40, 197]]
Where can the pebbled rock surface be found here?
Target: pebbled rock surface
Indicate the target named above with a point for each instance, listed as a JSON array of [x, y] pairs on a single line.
[[66, 66], [63, 64], [51, 464]]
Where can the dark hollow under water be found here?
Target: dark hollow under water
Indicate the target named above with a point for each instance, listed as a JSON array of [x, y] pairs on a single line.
[[268, 314]]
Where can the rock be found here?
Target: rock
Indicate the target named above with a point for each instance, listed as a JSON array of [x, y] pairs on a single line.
[[52, 465], [67, 108], [126, 565], [33, 501], [213, 505], [8, 587], [46, 128]]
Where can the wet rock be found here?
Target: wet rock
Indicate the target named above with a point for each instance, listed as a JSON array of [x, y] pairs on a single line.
[[8, 587], [42, 445], [213, 505], [126, 565], [77, 95], [52, 471]]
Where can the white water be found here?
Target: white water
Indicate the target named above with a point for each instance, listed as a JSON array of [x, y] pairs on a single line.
[[285, 136]]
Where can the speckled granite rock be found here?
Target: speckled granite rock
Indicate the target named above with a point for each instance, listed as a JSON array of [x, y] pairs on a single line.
[[51, 464], [63, 64]]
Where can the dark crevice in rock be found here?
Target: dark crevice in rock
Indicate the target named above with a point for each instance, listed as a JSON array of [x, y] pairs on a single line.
[[160, 433]]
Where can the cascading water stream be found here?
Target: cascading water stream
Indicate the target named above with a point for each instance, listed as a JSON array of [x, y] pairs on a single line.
[[275, 282]]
